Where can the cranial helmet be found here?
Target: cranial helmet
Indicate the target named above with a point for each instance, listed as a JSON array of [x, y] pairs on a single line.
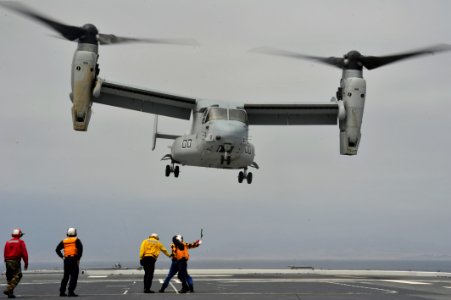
[[71, 231], [154, 235], [179, 237], [17, 232]]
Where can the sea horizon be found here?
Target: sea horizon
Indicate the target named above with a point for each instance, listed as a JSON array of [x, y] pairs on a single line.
[[427, 265]]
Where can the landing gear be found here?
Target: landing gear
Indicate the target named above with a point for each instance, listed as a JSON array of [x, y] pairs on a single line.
[[245, 174], [172, 169]]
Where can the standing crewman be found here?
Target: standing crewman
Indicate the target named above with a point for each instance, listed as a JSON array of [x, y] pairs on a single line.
[[182, 256], [148, 254], [173, 269], [15, 251], [73, 250]]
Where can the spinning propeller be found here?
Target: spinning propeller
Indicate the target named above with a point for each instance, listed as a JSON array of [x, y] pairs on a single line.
[[354, 60], [87, 33]]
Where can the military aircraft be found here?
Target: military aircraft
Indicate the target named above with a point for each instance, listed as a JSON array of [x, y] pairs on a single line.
[[218, 137]]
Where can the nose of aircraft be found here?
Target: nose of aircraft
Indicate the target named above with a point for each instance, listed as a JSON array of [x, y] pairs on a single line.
[[227, 131]]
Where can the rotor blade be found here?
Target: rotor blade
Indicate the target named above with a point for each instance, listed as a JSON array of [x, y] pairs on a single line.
[[333, 61], [69, 32], [110, 39], [373, 62]]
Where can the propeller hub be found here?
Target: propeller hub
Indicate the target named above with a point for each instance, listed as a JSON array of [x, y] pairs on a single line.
[[90, 28], [90, 35], [352, 60]]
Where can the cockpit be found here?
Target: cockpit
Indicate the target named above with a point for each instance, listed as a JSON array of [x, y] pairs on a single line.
[[222, 113]]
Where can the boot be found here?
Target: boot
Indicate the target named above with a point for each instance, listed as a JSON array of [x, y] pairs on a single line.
[[191, 289]]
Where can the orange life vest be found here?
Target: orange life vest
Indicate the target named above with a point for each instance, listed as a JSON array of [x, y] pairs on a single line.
[[182, 254], [70, 248]]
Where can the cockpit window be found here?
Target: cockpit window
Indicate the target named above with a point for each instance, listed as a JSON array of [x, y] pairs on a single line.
[[217, 113], [238, 115], [220, 113]]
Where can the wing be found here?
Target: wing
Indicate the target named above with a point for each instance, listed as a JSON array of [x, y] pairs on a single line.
[[145, 100], [292, 114]]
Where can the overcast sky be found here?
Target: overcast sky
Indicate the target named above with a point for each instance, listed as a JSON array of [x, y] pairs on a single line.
[[307, 201]]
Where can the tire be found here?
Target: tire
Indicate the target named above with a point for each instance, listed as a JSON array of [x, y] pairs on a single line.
[[176, 171], [168, 171], [240, 177], [249, 178]]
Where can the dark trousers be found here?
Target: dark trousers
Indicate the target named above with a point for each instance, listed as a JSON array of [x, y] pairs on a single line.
[[184, 276], [172, 271], [71, 271], [148, 263]]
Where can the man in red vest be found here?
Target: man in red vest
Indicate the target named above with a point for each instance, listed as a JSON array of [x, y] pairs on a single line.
[[15, 251], [73, 250]]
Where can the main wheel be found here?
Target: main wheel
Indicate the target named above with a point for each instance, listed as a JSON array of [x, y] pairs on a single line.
[[249, 178], [168, 170], [176, 171], [240, 177]]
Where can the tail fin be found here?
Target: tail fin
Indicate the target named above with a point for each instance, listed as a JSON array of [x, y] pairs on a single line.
[[156, 135], [154, 132]]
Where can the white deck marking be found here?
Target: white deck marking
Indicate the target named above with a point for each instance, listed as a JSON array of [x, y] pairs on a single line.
[[363, 287], [174, 288], [97, 276], [408, 282]]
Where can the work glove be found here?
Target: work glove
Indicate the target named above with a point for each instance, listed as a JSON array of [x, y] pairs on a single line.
[[141, 262], [198, 242]]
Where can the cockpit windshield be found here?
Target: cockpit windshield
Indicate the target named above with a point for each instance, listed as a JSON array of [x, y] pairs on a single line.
[[220, 113], [217, 113], [238, 115]]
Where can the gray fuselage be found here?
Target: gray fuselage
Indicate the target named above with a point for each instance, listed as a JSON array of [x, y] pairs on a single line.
[[218, 139]]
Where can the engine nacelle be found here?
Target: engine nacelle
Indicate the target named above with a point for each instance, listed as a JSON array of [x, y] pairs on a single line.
[[84, 71], [353, 94]]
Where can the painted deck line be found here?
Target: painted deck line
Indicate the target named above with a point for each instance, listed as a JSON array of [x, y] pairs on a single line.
[[408, 282]]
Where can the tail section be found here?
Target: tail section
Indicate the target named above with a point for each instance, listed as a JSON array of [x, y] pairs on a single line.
[[156, 134]]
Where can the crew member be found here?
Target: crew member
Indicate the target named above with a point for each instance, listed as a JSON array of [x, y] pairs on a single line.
[[73, 250], [148, 254], [15, 251], [173, 269], [182, 256]]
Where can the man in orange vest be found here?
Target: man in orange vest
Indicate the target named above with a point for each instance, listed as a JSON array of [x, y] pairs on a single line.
[[15, 251], [148, 254], [73, 250], [182, 256]]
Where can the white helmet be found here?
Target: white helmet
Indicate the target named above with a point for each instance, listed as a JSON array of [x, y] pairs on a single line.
[[155, 235], [71, 231], [179, 237], [17, 232]]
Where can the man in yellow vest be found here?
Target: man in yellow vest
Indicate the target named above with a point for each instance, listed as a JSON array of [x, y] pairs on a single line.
[[73, 250], [148, 254]]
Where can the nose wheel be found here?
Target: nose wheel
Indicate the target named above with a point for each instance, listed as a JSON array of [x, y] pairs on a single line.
[[245, 175], [172, 169]]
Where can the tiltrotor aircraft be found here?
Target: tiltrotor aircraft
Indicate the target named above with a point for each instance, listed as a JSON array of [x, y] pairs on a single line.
[[219, 132]]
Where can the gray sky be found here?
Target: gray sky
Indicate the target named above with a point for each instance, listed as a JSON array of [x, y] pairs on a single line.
[[306, 201]]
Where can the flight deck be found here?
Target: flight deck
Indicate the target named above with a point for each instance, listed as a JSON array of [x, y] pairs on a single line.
[[246, 284]]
